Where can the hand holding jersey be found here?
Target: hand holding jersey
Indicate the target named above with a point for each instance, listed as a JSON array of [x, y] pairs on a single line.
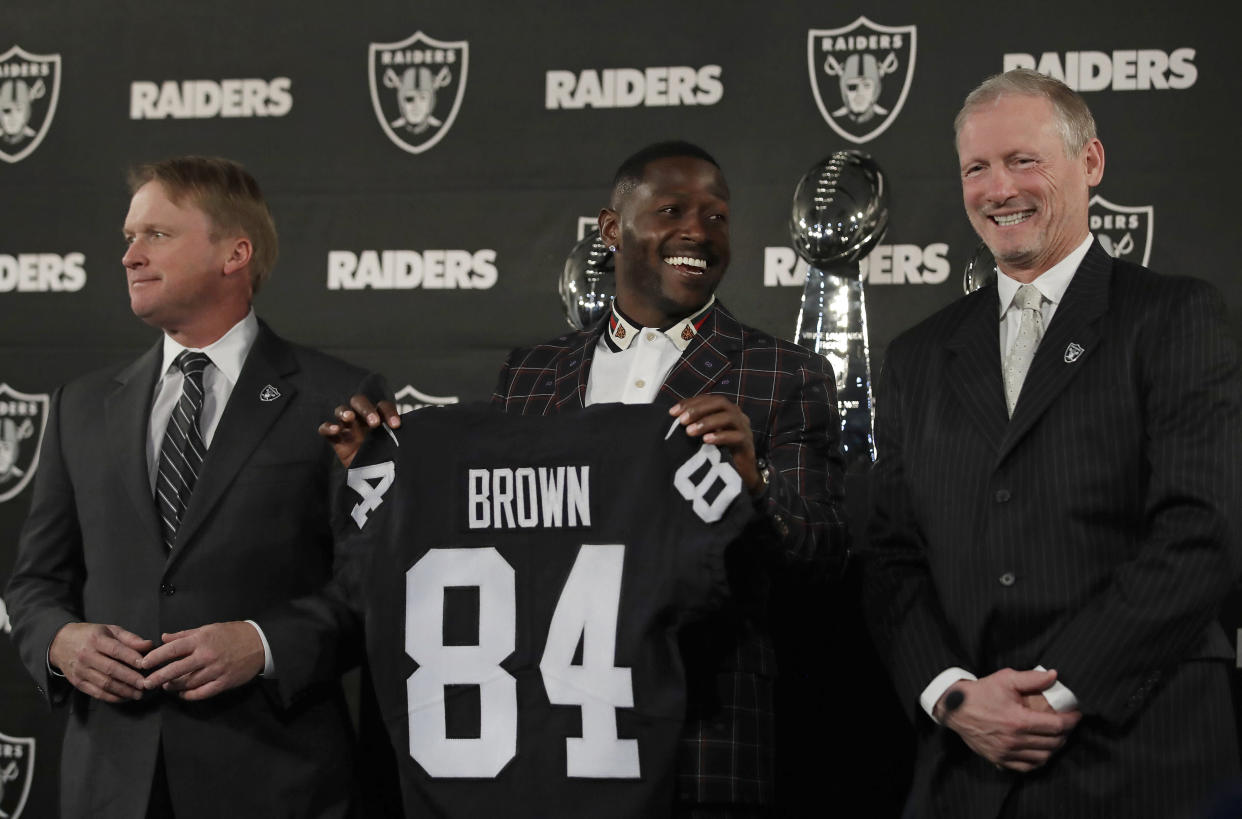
[[349, 426]]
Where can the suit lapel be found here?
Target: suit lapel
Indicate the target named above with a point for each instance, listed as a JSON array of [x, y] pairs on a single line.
[[974, 367], [1070, 339], [708, 357], [572, 371], [127, 413], [245, 422]]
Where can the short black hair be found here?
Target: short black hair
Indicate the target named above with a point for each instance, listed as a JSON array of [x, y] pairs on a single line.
[[630, 175]]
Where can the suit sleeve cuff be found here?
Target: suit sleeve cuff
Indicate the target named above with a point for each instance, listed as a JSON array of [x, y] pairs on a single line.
[[1058, 696], [269, 667], [936, 688]]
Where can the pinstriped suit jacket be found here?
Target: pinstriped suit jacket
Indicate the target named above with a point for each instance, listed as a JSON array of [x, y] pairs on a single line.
[[789, 395], [1095, 532]]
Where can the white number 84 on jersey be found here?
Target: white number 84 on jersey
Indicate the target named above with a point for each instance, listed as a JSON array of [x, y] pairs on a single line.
[[586, 612]]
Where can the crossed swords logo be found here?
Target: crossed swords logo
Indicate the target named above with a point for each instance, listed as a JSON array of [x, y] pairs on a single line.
[[427, 120]]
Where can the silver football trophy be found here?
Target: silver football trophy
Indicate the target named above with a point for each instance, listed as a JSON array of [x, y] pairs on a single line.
[[840, 213], [586, 287], [980, 270]]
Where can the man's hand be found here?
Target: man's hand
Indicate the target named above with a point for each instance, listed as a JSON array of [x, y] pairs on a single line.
[[100, 660], [353, 423], [201, 662], [1002, 719], [721, 422]]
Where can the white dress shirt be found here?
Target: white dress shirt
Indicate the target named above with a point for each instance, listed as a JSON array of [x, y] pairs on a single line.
[[228, 354], [1051, 284], [631, 362]]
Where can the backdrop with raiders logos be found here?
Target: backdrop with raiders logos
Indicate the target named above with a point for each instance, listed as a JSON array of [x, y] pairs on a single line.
[[430, 166]]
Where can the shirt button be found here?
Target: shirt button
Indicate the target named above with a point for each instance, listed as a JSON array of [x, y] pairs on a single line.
[[640, 383], [1007, 579], [651, 336], [1002, 495]]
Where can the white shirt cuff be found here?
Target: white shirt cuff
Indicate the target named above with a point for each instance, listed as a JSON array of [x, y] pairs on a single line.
[[269, 667], [1058, 696], [935, 690]]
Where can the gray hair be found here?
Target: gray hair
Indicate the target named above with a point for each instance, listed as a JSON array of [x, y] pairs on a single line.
[[1074, 119]]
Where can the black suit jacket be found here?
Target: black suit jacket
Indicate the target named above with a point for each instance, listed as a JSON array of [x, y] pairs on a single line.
[[256, 536], [1094, 533], [789, 395]]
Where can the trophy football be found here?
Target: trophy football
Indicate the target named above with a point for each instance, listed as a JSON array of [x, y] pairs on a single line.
[[586, 292], [840, 213], [980, 270]]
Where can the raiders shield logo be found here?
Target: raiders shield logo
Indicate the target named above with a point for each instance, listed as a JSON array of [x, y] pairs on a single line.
[[17, 759], [860, 75], [29, 89], [22, 421], [416, 88], [409, 398], [1125, 232]]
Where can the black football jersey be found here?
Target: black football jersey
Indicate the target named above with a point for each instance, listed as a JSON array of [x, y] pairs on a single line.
[[523, 580]]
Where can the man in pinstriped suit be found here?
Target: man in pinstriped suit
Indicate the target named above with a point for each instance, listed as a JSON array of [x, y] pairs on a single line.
[[1052, 534]]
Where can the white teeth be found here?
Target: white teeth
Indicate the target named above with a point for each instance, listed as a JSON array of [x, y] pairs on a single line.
[[688, 261], [1013, 218]]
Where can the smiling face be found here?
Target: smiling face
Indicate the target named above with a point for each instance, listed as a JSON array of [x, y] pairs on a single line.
[[182, 279], [672, 239], [1025, 197]]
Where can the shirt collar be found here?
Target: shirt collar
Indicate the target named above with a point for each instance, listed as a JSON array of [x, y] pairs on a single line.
[[622, 331], [228, 352], [1051, 284]]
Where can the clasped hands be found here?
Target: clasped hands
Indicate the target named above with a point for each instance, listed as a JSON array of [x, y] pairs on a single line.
[[112, 664], [1005, 718]]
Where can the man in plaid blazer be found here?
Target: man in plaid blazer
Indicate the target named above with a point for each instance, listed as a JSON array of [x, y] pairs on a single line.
[[771, 403]]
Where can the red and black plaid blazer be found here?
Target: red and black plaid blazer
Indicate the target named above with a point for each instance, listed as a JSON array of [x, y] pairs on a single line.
[[789, 395]]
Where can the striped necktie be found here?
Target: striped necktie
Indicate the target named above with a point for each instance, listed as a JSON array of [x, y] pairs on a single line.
[[1030, 332], [181, 456]]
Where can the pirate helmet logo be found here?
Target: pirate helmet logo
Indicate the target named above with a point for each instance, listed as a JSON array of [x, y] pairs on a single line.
[[23, 418], [29, 91], [857, 75], [17, 764], [1124, 231], [409, 398], [416, 88]]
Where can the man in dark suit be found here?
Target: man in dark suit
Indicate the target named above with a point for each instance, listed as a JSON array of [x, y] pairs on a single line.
[[176, 497], [771, 403], [1056, 509]]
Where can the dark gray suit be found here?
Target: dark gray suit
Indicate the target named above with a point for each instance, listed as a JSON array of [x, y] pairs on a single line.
[[1094, 533], [255, 536]]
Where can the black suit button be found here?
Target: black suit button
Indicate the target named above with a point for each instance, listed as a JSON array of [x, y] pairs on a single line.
[[1007, 579], [39, 688], [1002, 495], [168, 589]]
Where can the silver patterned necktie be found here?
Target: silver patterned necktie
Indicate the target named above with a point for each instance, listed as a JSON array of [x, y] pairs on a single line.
[[181, 455], [1030, 331]]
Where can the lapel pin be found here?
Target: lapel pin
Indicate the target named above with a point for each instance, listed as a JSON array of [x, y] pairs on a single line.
[[1072, 352], [269, 393], [687, 333]]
